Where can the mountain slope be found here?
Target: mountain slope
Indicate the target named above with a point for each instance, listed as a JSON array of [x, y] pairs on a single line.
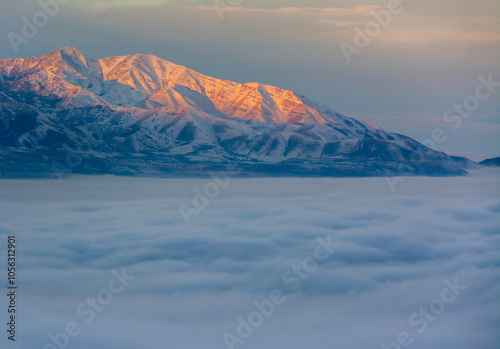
[[142, 114], [491, 162]]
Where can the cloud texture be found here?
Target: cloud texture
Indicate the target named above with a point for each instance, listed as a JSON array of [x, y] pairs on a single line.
[[192, 282]]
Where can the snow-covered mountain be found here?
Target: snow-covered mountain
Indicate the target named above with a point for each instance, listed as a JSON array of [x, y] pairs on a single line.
[[142, 114]]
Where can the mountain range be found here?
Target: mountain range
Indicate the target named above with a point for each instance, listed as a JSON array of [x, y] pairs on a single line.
[[66, 112]]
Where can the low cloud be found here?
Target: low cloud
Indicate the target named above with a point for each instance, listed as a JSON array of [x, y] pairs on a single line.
[[192, 282]]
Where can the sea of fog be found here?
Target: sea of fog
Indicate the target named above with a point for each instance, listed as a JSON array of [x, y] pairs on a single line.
[[296, 263]]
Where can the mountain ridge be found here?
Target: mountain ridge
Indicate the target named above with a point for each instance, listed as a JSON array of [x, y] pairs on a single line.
[[491, 162], [113, 109], [140, 71]]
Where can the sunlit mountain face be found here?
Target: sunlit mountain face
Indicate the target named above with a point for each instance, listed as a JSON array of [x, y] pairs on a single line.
[[141, 114]]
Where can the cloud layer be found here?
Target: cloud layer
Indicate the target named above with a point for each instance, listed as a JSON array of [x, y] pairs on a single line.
[[193, 281]]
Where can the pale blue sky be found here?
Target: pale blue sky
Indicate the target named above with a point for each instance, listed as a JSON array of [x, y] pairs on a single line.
[[427, 59]]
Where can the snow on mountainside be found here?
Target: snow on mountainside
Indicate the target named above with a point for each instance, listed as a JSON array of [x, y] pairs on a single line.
[[166, 117], [146, 81]]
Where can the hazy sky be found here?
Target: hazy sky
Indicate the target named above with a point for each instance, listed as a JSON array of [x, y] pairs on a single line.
[[428, 58]]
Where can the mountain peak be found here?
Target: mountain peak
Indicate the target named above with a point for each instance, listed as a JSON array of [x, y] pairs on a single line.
[[58, 57], [70, 50], [174, 118], [77, 61], [149, 82]]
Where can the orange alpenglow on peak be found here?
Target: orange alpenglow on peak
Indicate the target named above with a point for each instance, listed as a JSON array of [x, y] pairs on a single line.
[[162, 84]]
